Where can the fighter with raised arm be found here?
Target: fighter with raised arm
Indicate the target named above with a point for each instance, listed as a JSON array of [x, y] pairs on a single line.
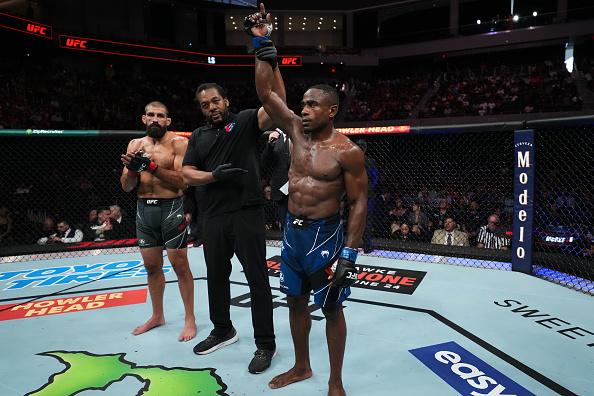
[[316, 255], [153, 163]]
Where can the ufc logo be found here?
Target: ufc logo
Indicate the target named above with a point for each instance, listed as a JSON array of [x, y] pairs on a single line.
[[298, 222], [76, 43], [152, 201], [352, 275], [36, 29], [289, 61]]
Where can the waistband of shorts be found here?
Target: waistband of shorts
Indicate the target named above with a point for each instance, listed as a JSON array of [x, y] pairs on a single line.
[[332, 219], [158, 201]]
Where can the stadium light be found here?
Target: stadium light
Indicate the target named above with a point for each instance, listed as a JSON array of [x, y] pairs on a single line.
[[516, 18], [534, 13], [478, 21]]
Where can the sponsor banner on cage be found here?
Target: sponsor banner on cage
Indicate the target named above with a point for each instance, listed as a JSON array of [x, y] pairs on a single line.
[[371, 277], [375, 130], [524, 163], [64, 305], [465, 372]]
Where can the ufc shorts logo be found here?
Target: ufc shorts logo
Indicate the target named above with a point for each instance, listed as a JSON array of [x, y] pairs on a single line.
[[301, 223], [152, 201]]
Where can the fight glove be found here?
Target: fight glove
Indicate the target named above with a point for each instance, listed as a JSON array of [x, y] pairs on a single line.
[[265, 50], [138, 164], [254, 20], [345, 273]]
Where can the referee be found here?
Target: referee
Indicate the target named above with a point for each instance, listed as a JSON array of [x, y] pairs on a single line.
[[222, 157], [489, 236]]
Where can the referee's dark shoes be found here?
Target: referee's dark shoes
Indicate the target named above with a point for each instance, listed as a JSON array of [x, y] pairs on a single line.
[[260, 362], [214, 342]]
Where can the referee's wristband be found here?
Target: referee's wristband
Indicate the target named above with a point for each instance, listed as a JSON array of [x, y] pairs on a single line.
[[349, 254]]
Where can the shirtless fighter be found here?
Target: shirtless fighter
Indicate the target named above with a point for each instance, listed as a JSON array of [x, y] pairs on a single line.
[[316, 253], [153, 164]]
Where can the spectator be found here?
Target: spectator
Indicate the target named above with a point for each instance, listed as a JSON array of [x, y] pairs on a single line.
[[405, 234], [88, 233], [442, 213], [450, 234], [65, 234], [399, 211], [419, 218], [270, 220], [490, 235], [277, 153], [120, 228], [102, 228], [471, 220], [48, 228]]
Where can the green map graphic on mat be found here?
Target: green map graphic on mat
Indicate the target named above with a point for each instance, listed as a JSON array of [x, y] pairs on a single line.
[[87, 371]]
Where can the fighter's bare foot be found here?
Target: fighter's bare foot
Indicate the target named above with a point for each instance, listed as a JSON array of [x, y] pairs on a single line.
[[188, 332], [286, 378], [154, 321], [336, 390]]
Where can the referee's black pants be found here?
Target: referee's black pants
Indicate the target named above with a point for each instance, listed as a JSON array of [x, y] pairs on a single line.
[[241, 232]]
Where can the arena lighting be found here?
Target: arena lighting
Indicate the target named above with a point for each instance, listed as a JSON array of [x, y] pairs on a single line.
[[516, 18], [375, 130], [534, 13], [22, 25], [478, 21], [87, 44]]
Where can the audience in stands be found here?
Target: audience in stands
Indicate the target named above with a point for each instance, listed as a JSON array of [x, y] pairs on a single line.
[[450, 234], [57, 96], [64, 234]]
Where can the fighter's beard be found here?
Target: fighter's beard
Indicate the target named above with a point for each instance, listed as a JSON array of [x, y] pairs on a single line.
[[155, 131]]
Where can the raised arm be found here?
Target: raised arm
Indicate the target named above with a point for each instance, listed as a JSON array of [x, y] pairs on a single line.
[[355, 181], [278, 86], [259, 26], [273, 104]]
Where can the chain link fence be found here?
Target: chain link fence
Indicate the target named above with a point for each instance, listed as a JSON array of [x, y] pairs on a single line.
[[443, 196], [564, 205], [51, 184]]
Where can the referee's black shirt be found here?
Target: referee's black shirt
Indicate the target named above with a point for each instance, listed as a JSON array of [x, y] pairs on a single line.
[[236, 142]]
